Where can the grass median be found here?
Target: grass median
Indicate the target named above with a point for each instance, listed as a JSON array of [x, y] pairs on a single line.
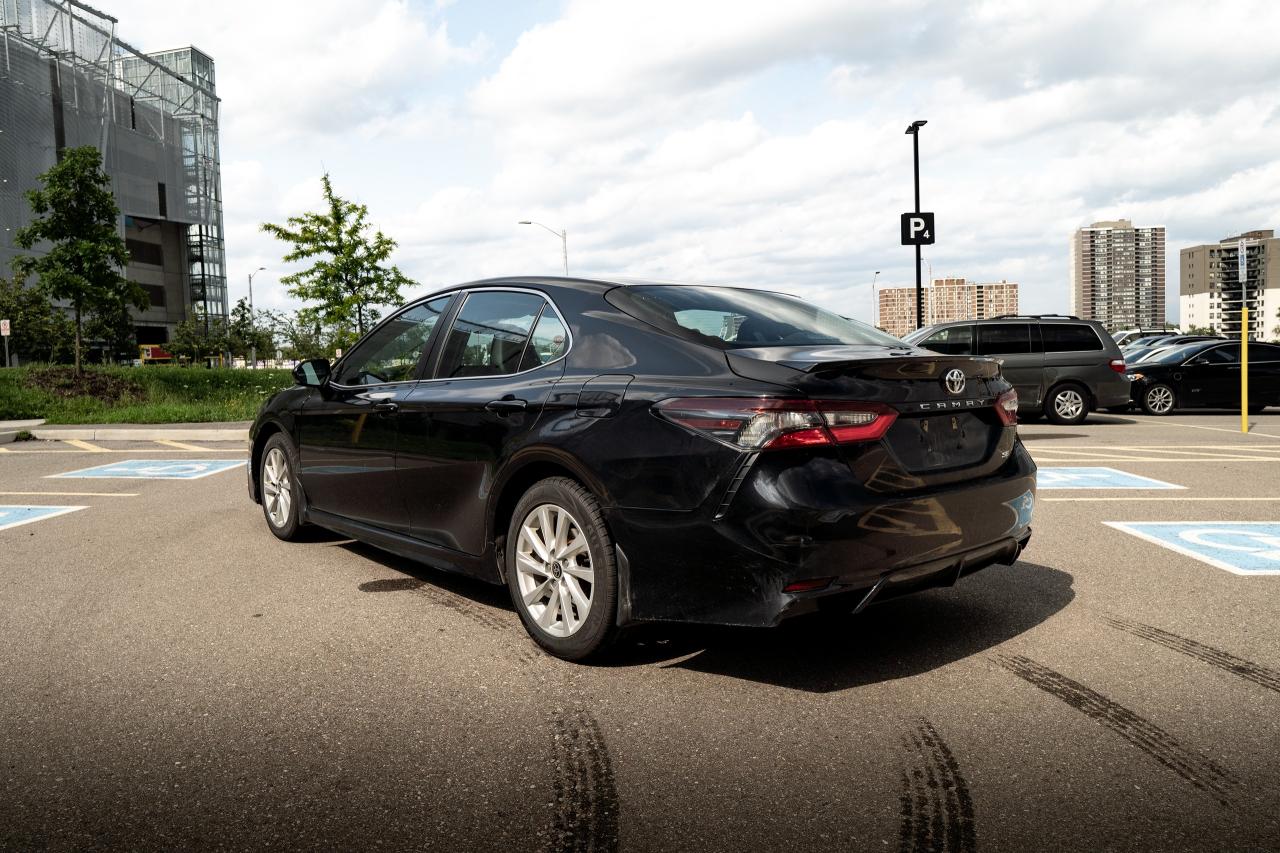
[[136, 395]]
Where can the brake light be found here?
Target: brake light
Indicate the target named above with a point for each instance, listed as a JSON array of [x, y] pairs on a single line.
[[1007, 407], [1117, 364], [756, 423]]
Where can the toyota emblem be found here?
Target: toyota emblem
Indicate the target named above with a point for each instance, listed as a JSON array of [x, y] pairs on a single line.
[[954, 381]]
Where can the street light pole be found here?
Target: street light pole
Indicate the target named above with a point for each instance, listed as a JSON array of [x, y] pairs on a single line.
[[914, 132], [563, 234], [873, 297], [253, 337]]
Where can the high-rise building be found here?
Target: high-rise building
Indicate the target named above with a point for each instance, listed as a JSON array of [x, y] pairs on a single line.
[[946, 299], [1211, 291], [67, 80], [1117, 275]]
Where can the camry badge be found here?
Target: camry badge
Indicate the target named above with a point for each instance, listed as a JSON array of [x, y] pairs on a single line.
[[954, 381]]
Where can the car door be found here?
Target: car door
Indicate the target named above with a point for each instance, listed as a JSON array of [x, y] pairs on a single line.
[[492, 376], [1264, 375], [347, 431], [1018, 347], [1211, 378]]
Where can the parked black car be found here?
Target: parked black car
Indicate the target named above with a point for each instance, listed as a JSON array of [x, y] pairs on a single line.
[[651, 452], [1205, 374], [1062, 367]]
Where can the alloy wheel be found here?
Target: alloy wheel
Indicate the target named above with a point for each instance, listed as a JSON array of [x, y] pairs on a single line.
[[554, 570], [1068, 404], [277, 487], [1160, 399]]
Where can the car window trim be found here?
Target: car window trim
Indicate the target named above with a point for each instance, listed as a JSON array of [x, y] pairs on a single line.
[[467, 294], [427, 347]]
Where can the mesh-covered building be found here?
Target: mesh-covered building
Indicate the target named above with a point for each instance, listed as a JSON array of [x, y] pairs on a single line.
[[67, 80]]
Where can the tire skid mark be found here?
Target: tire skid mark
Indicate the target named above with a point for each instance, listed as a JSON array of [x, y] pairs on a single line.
[[585, 816], [1143, 734], [936, 807], [1248, 670]]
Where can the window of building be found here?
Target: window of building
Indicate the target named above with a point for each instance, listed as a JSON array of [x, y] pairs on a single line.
[[155, 293], [141, 252]]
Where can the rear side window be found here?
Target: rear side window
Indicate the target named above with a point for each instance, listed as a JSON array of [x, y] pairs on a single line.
[[489, 335], [953, 340], [547, 343], [1230, 354], [1263, 352], [1004, 339], [1069, 337]]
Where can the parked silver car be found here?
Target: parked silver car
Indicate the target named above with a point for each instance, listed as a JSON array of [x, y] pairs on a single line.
[[1062, 367]]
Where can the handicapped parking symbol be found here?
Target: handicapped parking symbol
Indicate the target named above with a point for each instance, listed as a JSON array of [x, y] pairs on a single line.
[[1239, 547], [156, 469]]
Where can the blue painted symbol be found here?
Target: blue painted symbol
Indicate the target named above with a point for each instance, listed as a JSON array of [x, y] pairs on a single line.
[[12, 516], [1096, 478], [156, 469], [1023, 506], [1239, 547]]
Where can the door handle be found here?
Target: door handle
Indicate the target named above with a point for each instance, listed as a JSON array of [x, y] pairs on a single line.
[[386, 406], [505, 405]]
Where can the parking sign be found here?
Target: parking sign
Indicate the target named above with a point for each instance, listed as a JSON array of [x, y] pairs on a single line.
[[917, 229], [1239, 547], [4, 328]]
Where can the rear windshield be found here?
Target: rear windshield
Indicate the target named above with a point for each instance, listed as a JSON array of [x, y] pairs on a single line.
[[734, 318]]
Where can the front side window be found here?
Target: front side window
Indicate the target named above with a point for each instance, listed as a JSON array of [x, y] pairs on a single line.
[[390, 353], [735, 318], [953, 340], [489, 335], [1004, 339], [1069, 337]]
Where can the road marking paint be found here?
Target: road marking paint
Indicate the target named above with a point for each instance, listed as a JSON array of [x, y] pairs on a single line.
[[1216, 429], [14, 515], [131, 450], [177, 444], [84, 445], [1146, 498], [155, 469], [1097, 478], [1220, 461], [78, 494], [1239, 547]]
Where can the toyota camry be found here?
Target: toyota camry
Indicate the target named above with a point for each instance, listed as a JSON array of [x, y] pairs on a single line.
[[621, 453]]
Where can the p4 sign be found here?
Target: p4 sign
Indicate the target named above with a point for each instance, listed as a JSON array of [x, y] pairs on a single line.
[[917, 229]]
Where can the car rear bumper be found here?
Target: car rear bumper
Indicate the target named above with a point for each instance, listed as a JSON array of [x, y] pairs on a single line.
[[733, 569]]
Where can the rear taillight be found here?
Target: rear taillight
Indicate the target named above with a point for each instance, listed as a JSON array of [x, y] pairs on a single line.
[[1117, 364], [1007, 407], [754, 423]]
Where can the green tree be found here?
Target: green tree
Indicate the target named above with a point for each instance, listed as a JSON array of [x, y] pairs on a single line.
[[196, 340], [111, 325], [245, 333], [349, 275], [1200, 330], [40, 332], [76, 214]]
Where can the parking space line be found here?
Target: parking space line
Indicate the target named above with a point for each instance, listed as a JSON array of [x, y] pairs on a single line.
[[84, 445], [1217, 429], [77, 494], [168, 442], [48, 512]]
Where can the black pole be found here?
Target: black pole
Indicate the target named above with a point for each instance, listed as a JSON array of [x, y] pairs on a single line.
[[915, 148]]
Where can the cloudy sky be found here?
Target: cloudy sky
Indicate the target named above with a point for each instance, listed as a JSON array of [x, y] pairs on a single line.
[[737, 141]]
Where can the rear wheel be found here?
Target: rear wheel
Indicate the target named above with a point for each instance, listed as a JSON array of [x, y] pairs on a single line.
[[278, 483], [1067, 405], [1158, 399], [560, 569]]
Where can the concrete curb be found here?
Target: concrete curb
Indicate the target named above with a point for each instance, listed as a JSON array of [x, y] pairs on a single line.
[[9, 429], [160, 432]]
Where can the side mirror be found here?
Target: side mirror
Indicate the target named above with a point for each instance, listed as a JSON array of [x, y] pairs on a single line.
[[313, 372]]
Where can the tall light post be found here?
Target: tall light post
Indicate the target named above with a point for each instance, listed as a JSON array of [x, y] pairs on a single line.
[[913, 130], [253, 337], [562, 234], [873, 297]]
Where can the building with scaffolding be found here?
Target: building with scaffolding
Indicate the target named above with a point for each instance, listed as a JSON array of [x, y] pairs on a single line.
[[67, 80]]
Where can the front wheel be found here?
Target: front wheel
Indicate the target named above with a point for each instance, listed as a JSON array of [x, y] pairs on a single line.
[[1066, 405], [561, 571], [1158, 399], [278, 483]]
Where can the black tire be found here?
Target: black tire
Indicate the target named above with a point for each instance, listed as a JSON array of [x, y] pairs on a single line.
[[528, 572], [1066, 404], [285, 523], [1158, 399]]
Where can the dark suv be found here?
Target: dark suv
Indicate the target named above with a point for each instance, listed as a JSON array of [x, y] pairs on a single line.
[[1062, 367]]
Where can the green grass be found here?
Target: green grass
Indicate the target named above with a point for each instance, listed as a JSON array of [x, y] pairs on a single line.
[[139, 395]]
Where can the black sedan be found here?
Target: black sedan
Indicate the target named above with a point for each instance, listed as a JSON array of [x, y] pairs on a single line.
[[619, 454], [1205, 374]]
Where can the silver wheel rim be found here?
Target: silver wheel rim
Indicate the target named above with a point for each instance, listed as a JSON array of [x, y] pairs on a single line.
[[277, 488], [554, 570], [1160, 400], [1068, 404]]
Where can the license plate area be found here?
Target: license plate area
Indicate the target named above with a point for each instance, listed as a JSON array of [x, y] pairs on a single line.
[[944, 440]]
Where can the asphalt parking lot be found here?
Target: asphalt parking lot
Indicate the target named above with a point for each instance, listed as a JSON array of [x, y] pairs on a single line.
[[172, 676]]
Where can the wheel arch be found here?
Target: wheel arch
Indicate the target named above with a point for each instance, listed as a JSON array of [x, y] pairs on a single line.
[[268, 429]]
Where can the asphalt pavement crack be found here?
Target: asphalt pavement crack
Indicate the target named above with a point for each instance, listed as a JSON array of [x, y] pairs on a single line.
[[936, 807], [1248, 670], [1143, 734]]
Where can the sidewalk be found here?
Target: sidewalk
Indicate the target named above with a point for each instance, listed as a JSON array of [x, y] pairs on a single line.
[[233, 431]]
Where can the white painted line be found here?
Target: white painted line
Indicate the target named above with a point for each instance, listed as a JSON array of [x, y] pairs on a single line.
[[54, 512], [84, 445], [78, 494], [1215, 429], [1087, 472], [178, 445]]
